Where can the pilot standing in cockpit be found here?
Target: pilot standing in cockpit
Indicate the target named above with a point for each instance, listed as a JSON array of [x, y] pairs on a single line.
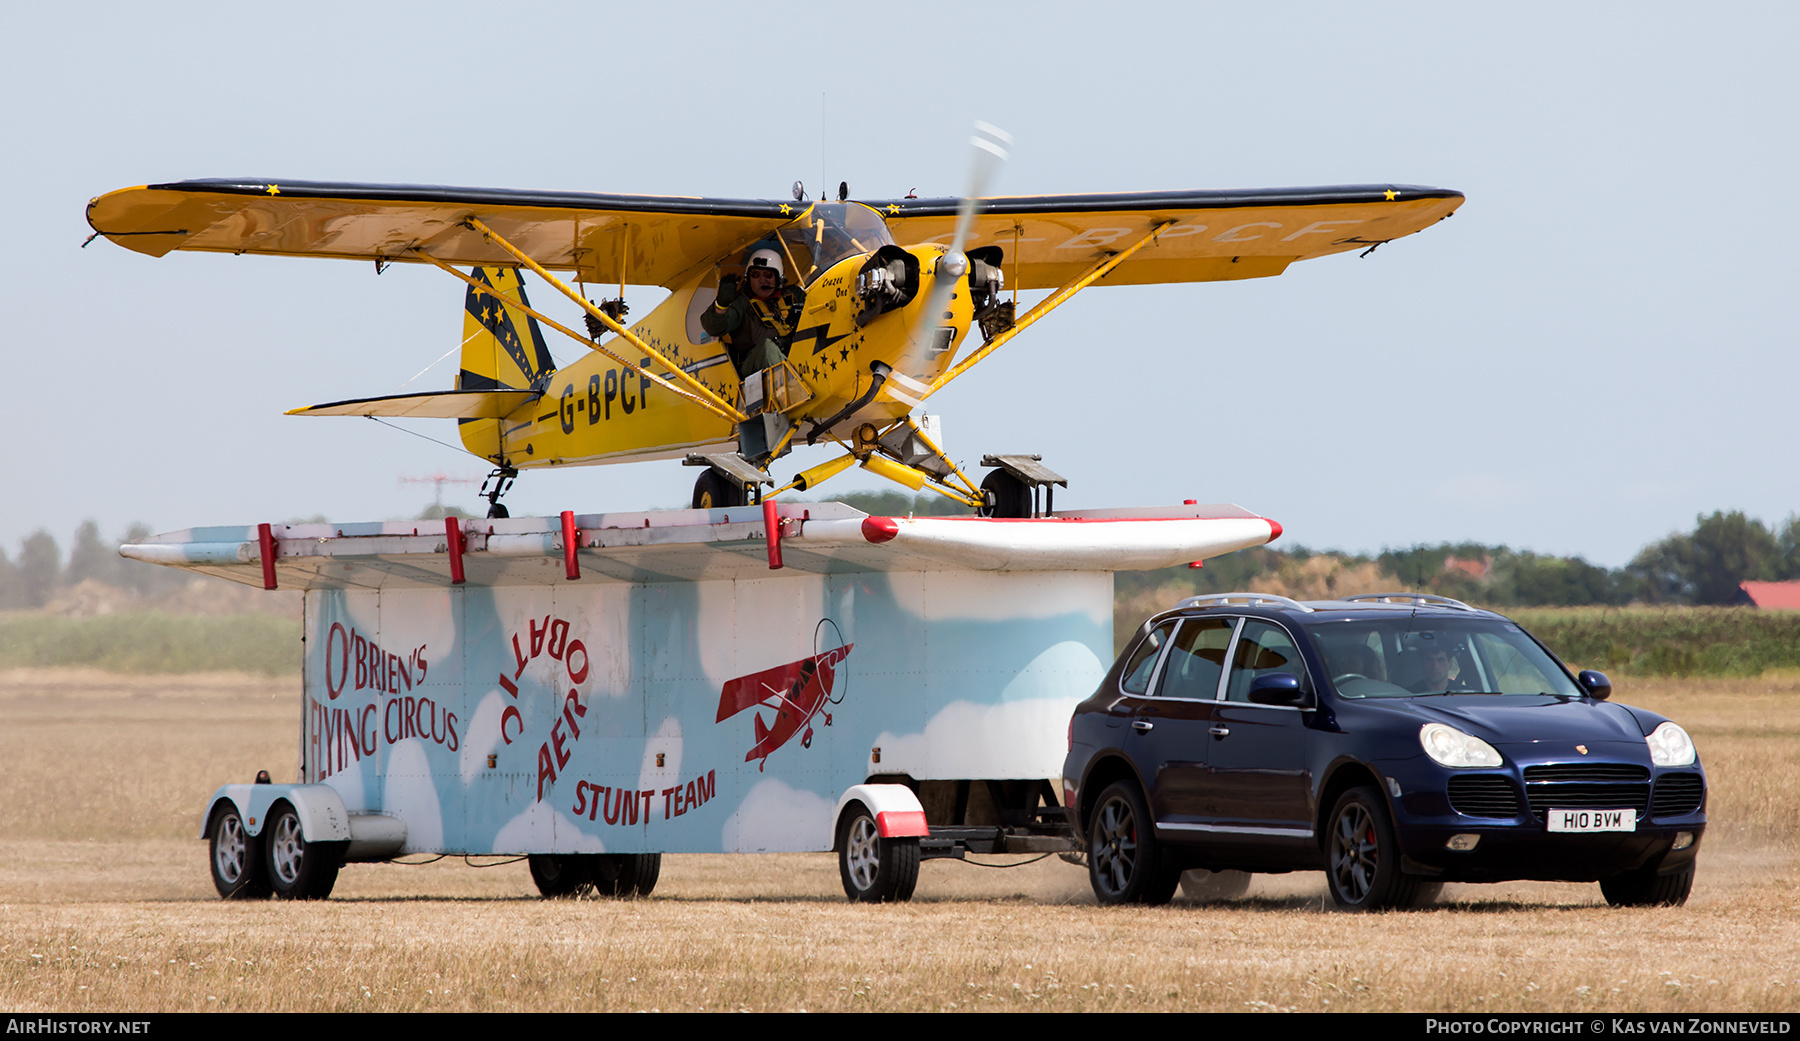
[[755, 325]]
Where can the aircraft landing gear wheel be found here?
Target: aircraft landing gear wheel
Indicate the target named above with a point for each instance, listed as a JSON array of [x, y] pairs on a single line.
[[713, 490], [1363, 857], [1644, 888], [237, 867], [1004, 495], [560, 875], [875, 870], [625, 874], [1202, 886], [1124, 864], [298, 869]]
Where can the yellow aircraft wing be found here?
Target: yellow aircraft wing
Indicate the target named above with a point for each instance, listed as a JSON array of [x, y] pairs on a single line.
[[1214, 235], [639, 239]]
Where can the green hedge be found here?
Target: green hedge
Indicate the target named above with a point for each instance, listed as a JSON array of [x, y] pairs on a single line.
[[152, 642], [1673, 641]]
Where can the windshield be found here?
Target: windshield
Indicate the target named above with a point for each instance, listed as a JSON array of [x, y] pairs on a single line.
[[1410, 656], [828, 233]]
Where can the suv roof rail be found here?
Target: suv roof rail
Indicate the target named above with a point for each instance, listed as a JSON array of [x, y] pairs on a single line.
[[1246, 599], [1415, 599]]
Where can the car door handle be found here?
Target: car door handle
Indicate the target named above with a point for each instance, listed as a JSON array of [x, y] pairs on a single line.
[[1142, 726], [1219, 731]]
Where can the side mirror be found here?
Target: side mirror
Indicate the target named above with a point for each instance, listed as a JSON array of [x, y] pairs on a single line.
[[1276, 688], [1596, 684]]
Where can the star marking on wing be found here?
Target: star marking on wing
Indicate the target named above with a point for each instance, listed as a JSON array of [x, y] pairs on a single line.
[[1391, 194], [786, 209], [272, 189]]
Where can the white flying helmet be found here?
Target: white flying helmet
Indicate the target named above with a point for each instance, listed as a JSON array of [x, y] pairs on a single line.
[[767, 258]]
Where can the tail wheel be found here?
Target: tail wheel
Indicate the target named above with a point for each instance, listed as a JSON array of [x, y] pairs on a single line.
[[1125, 865], [238, 872], [298, 869], [713, 490], [874, 869], [1004, 495], [625, 874], [1363, 857]]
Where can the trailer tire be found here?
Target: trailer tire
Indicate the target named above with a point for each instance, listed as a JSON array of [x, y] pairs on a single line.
[[875, 870], [561, 875], [238, 872], [298, 869], [625, 874]]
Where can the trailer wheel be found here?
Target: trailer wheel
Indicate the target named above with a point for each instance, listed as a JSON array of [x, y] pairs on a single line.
[[875, 870], [236, 855], [298, 869], [625, 874], [560, 875]]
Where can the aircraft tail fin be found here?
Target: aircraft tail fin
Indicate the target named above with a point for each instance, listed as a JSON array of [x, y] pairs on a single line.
[[502, 349]]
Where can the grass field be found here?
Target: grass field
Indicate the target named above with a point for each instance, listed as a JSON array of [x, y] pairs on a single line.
[[105, 903]]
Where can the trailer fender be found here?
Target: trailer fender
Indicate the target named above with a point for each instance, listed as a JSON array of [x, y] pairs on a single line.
[[320, 808], [897, 811]]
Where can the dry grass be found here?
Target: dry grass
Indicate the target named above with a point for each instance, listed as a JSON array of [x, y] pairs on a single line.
[[105, 903]]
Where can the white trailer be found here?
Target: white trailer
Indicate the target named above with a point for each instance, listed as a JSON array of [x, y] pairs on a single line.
[[593, 691]]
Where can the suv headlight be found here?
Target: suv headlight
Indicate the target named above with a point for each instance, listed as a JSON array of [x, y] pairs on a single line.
[[1449, 746], [1670, 746]]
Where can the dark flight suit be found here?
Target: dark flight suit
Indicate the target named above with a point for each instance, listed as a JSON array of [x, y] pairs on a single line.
[[755, 332]]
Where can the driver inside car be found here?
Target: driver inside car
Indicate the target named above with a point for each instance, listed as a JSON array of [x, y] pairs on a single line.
[[1434, 663]]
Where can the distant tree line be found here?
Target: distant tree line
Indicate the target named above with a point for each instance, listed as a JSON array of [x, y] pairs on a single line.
[[40, 571], [1702, 566]]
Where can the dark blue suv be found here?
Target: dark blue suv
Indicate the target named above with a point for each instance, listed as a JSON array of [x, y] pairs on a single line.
[[1395, 742]]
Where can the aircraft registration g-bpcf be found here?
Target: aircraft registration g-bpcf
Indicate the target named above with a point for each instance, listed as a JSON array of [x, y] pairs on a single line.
[[884, 293]]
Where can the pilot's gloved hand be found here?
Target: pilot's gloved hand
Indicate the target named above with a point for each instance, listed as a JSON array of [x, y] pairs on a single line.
[[728, 290], [594, 327]]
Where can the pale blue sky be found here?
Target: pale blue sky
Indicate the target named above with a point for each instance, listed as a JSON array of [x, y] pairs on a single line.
[[1598, 346]]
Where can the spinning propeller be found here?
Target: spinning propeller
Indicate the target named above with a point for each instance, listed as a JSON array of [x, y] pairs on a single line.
[[991, 144]]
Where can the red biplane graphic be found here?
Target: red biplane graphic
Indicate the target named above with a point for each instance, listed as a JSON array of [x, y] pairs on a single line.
[[797, 692]]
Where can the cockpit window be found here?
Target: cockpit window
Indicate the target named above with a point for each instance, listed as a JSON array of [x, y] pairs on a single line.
[[829, 232]]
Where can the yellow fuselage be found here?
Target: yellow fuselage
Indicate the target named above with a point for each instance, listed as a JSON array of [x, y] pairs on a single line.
[[597, 410]]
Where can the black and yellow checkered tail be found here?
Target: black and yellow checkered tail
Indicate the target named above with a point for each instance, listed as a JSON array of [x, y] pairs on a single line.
[[502, 348]]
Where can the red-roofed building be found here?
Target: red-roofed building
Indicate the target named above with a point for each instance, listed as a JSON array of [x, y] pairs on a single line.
[[1772, 596]]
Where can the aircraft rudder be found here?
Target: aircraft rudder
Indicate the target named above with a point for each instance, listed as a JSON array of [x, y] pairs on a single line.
[[502, 347]]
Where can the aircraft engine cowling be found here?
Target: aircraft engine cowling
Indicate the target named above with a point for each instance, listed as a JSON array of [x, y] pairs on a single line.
[[986, 279], [887, 282]]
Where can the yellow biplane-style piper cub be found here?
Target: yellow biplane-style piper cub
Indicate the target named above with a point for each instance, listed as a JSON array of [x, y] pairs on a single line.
[[871, 301]]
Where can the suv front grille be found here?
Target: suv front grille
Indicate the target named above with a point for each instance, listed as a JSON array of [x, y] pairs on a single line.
[[1484, 796], [1677, 795], [1587, 786]]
